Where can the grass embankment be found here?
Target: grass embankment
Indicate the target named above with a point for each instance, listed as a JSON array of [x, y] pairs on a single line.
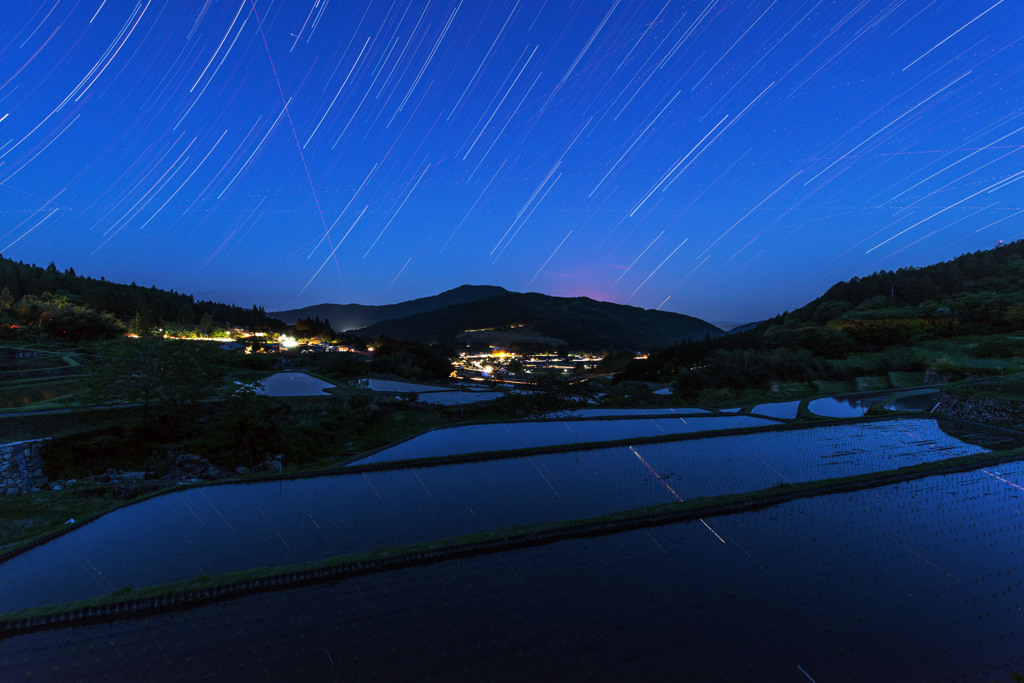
[[213, 587], [816, 388], [31, 515], [17, 427], [32, 518], [1008, 390]]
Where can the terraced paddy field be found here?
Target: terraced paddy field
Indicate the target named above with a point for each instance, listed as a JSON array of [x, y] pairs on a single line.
[[887, 582], [225, 528], [914, 581], [509, 436]]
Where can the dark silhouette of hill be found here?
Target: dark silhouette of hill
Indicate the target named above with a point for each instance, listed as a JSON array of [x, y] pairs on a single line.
[[345, 317], [975, 289], [582, 323], [980, 293], [19, 279], [744, 327]]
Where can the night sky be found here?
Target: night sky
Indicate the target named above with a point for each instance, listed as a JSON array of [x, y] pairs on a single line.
[[728, 160]]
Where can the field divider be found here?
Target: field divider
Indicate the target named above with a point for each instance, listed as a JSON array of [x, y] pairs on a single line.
[[481, 456], [778, 425], [411, 463], [348, 464], [129, 604]]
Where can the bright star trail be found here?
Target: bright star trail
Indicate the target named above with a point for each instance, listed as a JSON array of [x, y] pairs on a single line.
[[292, 153]]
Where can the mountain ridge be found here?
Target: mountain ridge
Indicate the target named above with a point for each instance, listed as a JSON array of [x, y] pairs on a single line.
[[579, 322], [354, 316]]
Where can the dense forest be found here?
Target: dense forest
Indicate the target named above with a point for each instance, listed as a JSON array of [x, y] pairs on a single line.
[[31, 285], [582, 323], [981, 293]]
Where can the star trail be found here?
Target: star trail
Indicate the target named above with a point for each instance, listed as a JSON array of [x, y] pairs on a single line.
[[728, 160]]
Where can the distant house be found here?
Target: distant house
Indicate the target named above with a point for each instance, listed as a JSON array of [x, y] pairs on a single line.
[[349, 349]]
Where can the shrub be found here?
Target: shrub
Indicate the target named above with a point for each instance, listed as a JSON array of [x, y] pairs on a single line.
[[995, 347]]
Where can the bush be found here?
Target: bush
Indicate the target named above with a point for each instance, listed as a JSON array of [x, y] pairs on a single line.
[[715, 396], [995, 347], [246, 429], [629, 392], [341, 364], [84, 455]]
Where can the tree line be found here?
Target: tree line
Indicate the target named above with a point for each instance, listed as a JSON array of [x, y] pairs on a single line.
[[69, 305], [981, 293]]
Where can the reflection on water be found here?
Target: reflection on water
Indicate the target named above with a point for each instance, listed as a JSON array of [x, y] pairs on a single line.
[[233, 527], [859, 404], [627, 412], [842, 406], [923, 401], [911, 582], [516, 435], [784, 411]]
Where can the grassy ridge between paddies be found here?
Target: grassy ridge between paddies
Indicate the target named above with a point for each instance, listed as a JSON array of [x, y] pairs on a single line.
[[355, 464], [129, 603], [30, 519], [804, 420]]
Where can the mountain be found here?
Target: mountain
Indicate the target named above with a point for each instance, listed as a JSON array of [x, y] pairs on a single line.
[[345, 317], [579, 323], [741, 327]]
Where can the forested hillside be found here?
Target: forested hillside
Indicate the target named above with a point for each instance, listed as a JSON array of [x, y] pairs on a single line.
[[977, 294], [19, 280], [582, 323], [356, 316]]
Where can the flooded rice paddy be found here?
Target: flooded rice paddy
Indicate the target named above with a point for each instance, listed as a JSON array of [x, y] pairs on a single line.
[[786, 410], [857, 405], [217, 529], [538, 434], [293, 384], [915, 581]]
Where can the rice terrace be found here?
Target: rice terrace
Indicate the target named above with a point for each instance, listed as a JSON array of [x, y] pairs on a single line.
[[744, 549]]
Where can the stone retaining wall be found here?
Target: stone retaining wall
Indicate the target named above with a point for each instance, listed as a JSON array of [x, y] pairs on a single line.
[[21, 467], [985, 409]]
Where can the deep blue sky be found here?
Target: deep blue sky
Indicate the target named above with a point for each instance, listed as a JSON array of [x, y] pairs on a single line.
[[728, 160]]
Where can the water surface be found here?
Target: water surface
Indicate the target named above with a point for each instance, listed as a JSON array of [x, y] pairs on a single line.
[[784, 411], [293, 384], [909, 582], [233, 527], [536, 434], [628, 412], [923, 401]]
